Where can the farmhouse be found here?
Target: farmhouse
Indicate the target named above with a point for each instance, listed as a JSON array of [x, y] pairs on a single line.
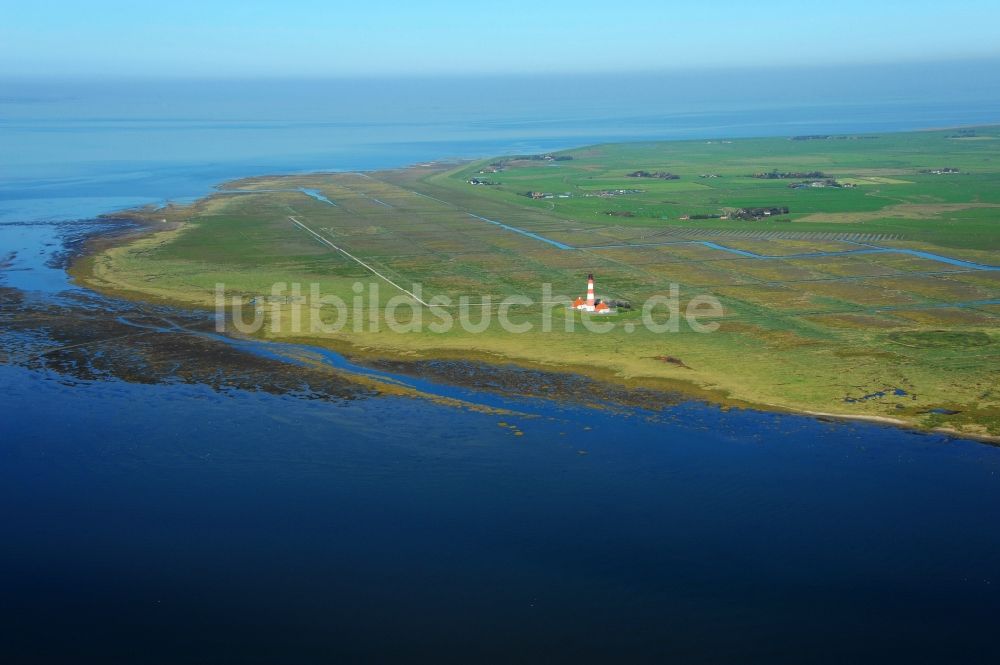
[[662, 175]]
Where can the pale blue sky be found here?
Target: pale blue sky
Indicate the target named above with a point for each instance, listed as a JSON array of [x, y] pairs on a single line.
[[211, 38]]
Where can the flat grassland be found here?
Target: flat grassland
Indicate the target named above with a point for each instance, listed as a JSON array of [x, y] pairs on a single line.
[[876, 294]]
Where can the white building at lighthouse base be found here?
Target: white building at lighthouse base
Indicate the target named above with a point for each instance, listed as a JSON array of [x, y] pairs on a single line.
[[597, 307]]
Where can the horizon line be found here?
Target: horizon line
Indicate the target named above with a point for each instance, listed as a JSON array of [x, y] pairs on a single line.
[[500, 74]]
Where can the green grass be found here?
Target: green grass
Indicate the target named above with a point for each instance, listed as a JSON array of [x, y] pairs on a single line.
[[893, 156], [798, 332]]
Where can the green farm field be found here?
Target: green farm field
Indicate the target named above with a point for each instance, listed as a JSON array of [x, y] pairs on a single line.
[[876, 294]]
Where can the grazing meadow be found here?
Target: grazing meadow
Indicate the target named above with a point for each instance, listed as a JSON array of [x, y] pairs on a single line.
[[857, 275]]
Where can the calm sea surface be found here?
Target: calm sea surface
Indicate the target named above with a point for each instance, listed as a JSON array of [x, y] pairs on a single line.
[[174, 521]]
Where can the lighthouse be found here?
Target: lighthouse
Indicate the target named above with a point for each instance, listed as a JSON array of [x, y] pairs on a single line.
[[591, 303]]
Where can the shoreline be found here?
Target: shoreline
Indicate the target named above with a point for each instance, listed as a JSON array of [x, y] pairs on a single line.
[[141, 225], [621, 371]]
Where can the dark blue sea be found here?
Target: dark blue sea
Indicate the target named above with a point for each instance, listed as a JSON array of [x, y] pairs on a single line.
[[155, 510]]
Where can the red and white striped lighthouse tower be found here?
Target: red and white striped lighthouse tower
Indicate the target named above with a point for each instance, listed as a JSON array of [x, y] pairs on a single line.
[[590, 290]]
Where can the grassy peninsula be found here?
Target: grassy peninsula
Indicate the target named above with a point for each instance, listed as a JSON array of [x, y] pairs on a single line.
[[857, 273]]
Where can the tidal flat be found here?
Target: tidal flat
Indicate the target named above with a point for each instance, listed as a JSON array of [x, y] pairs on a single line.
[[895, 297], [251, 499]]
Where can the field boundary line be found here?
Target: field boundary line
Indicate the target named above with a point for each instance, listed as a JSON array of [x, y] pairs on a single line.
[[357, 260]]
